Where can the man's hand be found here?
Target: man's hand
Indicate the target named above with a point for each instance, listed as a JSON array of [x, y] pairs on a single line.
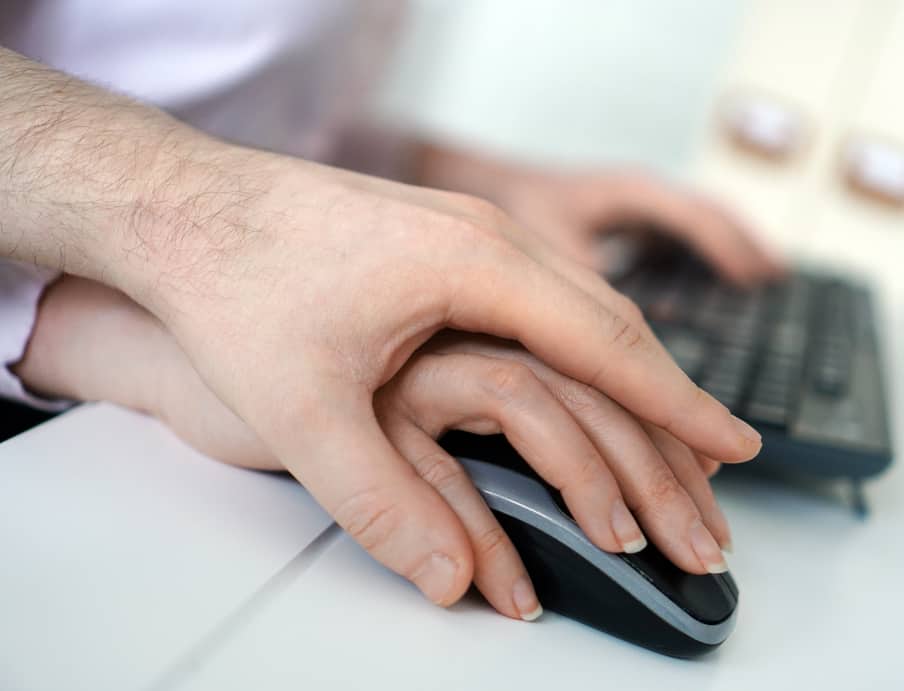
[[92, 342], [318, 291], [572, 210], [297, 291]]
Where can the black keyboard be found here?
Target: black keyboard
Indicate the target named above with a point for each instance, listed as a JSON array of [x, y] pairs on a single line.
[[797, 359]]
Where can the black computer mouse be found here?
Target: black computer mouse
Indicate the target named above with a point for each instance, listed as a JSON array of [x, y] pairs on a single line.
[[642, 598]]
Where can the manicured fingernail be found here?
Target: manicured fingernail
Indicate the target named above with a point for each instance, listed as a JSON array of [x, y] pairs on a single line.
[[728, 546], [626, 529], [707, 549], [436, 577], [525, 599], [747, 432]]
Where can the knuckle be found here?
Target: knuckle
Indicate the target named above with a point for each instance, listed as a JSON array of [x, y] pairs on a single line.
[[471, 233], [662, 489], [577, 396], [508, 381], [587, 473], [491, 542], [369, 519], [481, 209], [440, 471], [625, 335], [476, 232], [590, 471]]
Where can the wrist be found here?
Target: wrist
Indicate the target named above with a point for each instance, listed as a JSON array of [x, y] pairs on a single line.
[[97, 185], [203, 204], [92, 343]]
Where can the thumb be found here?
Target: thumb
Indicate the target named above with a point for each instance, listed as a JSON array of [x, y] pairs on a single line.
[[345, 460]]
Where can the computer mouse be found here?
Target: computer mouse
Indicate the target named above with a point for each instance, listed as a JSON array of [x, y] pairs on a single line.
[[642, 598]]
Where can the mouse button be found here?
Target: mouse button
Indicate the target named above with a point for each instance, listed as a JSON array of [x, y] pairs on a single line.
[[569, 584], [707, 598]]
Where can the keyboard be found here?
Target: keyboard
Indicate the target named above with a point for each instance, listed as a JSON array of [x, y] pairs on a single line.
[[798, 359]]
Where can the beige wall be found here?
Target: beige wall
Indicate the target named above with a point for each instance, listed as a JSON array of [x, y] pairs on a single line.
[[841, 64]]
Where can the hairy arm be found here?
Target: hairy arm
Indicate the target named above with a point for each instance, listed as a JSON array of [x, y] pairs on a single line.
[[101, 186], [297, 291]]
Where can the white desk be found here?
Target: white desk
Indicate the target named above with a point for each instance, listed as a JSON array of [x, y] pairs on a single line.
[[130, 562], [123, 549]]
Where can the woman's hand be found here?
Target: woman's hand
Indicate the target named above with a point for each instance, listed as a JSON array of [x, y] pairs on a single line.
[[620, 478], [94, 343], [572, 210]]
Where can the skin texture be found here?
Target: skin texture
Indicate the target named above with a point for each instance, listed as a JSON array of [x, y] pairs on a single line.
[[94, 343], [297, 292]]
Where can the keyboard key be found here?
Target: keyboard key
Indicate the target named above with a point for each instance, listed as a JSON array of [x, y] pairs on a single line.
[[797, 356], [765, 413]]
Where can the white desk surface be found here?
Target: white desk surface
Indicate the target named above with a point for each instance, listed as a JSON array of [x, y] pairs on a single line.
[[123, 549], [131, 562]]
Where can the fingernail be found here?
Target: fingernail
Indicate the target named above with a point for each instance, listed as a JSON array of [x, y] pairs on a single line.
[[436, 577], [525, 599], [707, 549], [728, 546], [746, 431], [626, 529]]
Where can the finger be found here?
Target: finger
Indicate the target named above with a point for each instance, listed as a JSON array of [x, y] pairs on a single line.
[[507, 294], [665, 509], [709, 466], [591, 282], [498, 571], [627, 449], [476, 388], [662, 505], [374, 494], [688, 471]]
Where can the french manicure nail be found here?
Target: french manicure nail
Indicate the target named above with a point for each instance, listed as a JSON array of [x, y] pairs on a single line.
[[525, 599], [746, 431], [707, 549], [437, 577], [728, 546], [626, 530]]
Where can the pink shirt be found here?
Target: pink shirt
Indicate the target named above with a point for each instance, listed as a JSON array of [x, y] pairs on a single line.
[[285, 75]]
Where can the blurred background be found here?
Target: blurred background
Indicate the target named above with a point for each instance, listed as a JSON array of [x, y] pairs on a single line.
[[792, 110]]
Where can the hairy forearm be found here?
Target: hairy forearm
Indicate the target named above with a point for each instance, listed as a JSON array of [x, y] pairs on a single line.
[[101, 186], [72, 160]]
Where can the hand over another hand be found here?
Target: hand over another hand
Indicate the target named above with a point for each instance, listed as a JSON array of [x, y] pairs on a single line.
[[297, 291], [606, 463], [573, 435], [297, 304]]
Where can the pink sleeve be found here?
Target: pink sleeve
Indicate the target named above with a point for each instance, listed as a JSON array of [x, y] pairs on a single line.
[[21, 286]]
